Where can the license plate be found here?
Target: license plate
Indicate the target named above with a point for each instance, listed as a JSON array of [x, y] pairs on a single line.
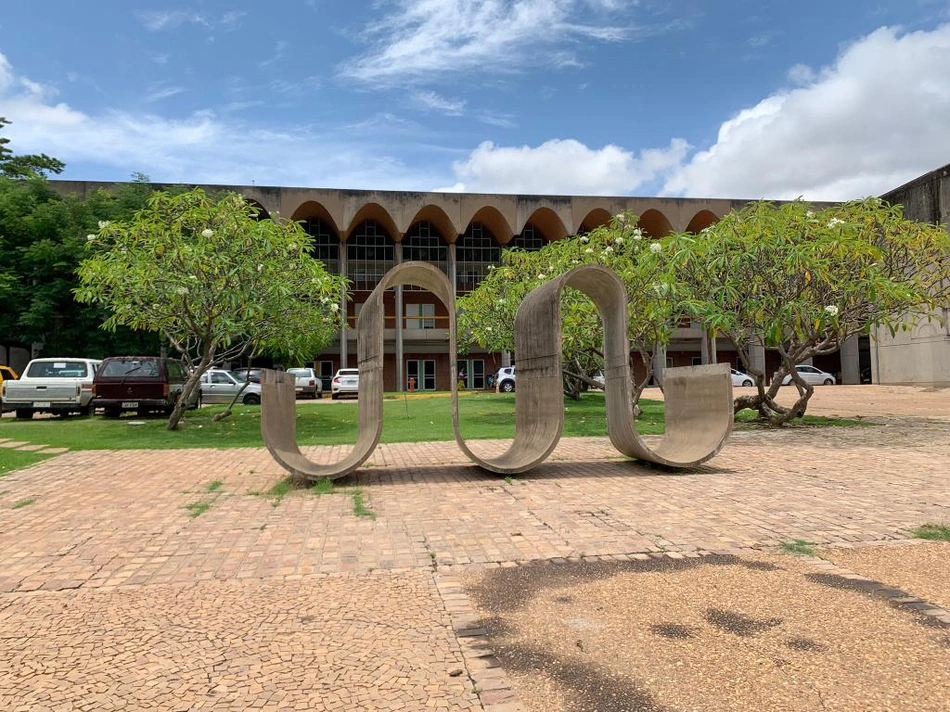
[[41, 404], [348, 382], [130, 404]]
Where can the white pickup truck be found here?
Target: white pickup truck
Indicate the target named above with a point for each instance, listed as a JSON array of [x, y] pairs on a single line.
[[52, 385]]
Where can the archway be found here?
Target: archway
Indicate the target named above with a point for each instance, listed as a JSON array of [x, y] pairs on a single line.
[[655, 224]]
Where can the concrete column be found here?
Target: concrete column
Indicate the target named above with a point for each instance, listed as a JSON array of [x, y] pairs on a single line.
[[343, 329], [659, 363], [452, 273], [400, 381], [850, 362], [757, 358], [713, 353], [505, 359], [704, 348]]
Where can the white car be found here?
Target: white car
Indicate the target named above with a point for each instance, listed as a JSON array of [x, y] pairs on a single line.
[[308, 382], [742, 379], [345, 382], [811, 375], [220, 386], [52, 385], [505, 379]]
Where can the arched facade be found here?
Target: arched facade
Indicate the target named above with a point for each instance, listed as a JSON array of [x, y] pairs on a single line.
[[362, 234]]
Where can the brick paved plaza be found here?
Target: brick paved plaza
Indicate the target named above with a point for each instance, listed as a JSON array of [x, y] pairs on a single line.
[[113, 597]]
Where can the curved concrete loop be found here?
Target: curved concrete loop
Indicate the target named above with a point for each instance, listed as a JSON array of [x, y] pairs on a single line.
[[278, 404], [698, 398]]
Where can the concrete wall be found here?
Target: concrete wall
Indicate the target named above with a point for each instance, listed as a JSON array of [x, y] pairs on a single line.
[[920, 356], [506, 215]]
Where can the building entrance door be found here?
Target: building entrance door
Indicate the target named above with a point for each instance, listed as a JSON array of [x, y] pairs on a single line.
[[423, 371]]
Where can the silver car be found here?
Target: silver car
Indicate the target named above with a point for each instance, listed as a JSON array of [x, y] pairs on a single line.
[[308, 382], [220, 386]]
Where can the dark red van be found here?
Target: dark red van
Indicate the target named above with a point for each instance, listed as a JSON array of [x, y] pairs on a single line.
[[145, 384]]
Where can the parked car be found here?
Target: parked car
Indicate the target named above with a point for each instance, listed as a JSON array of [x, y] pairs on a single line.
[[599, 378], [345, 382], [741, 379], [52, 385], [220, 386], [145, 384], [242, 373], [811, 375], [8, 374], [505, 379], [308, 382]]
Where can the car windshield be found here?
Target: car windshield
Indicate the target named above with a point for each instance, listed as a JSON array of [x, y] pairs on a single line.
[[57, 369], [299, 371], [115, 369]]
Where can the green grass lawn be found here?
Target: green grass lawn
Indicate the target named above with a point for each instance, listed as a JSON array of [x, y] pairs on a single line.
[[15, 460], [483, 415]]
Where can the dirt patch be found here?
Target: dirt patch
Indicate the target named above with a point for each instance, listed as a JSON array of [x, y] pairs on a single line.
[[922, 570], [711, 633]]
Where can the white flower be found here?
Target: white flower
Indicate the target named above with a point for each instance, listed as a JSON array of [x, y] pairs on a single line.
[[292, 246], [183, 290], [589, 250], [809, 213], [488, 329], [608, 249], [831, 310], [335, 307], [260, 267], [618, 241], [207, 232], [637, 234], [620, 218], [103, 223], [656, 247], [542, 275], [835, 221], [90, 237], [585, 239]]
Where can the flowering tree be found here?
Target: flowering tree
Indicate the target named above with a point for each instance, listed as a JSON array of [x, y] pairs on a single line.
[[802, 281], [217, 282], [487, 314]]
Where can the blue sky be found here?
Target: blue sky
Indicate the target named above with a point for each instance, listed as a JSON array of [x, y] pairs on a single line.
[[733, 98]]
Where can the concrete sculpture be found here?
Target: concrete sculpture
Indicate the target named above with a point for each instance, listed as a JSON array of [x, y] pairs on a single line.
[[698, 398]]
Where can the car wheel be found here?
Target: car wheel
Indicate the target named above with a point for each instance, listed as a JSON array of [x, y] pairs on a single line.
[[747, 383], [334, 396], [24, 413], [507, 386], [252, 399], [829, 382], [111, 412], [86, 410]]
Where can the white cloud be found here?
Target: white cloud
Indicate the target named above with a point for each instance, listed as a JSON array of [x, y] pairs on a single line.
[[563, 166], [158, 20], [427, 39], [162, 92], [206, 147], [435, 102], [878, 117], [169, 19]]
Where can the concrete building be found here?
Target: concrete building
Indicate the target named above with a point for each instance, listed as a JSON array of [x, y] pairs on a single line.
[[920, 356], [362, 234]]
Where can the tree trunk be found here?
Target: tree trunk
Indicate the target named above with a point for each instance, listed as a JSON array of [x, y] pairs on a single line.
[[187, 393], [226, 413]]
